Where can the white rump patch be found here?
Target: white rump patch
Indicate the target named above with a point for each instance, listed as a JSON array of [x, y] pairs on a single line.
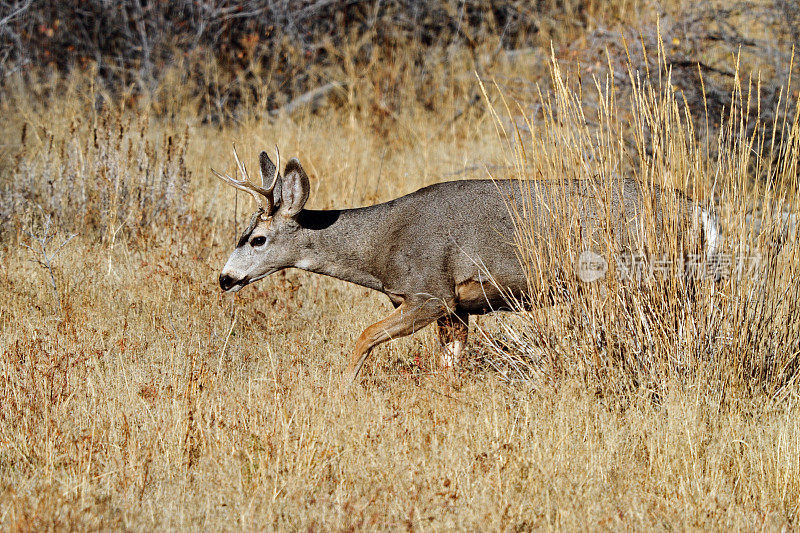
[[710, 231], [451, 354]]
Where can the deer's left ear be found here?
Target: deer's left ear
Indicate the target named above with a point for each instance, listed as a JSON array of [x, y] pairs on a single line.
[[294, 190]]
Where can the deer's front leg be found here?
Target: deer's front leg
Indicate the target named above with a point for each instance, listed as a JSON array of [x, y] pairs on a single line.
[[412, 315], [452, 329]]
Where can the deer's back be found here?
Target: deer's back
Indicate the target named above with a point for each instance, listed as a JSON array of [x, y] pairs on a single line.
[[451, 237]]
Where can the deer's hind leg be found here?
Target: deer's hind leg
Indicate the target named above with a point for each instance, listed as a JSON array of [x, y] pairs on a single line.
[[412, 315], [452, 329]]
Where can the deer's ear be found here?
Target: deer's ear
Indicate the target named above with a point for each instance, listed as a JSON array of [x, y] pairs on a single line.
[[267, 173], [294, 190], [267, 169]]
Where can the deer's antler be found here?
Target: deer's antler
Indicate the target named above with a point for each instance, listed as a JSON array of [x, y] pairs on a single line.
[[260, 194]]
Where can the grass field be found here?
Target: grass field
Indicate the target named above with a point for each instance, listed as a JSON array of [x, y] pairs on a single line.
[[133, 395]]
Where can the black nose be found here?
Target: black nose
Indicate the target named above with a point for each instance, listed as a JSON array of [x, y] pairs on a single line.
[[226, 282]]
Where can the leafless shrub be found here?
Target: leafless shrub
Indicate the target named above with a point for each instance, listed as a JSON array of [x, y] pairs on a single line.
[[712, 53], [292, 46], [11, 42], [41, 244]]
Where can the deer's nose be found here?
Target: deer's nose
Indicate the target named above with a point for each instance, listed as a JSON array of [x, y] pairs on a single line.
[[226, 282]]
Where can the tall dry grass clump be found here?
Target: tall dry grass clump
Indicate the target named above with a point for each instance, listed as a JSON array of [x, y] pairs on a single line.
[[661, 312], [96, 167]]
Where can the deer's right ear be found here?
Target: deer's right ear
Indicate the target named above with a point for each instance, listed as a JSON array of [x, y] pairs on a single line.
[[294, 192], [268, 170]]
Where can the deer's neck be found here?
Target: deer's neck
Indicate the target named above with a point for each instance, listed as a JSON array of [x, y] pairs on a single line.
[[341, 244]]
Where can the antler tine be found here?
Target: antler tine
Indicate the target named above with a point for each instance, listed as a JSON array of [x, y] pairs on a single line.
[[277, 166], [240, 165], [259, 193], [270, 189], [277, 172], [242, 186]]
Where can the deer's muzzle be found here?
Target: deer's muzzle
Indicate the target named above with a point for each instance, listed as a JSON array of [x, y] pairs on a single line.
[[227, 283]]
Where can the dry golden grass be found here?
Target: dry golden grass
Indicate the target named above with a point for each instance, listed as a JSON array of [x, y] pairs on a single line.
[[127, 412], [149, 401]]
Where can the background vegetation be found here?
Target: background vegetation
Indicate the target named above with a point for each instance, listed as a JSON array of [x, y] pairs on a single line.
[[133, 395]]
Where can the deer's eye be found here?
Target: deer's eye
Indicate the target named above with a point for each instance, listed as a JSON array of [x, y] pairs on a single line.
[[258, 241]]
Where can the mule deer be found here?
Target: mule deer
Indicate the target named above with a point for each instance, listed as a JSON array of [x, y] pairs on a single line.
[[440, 254]]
